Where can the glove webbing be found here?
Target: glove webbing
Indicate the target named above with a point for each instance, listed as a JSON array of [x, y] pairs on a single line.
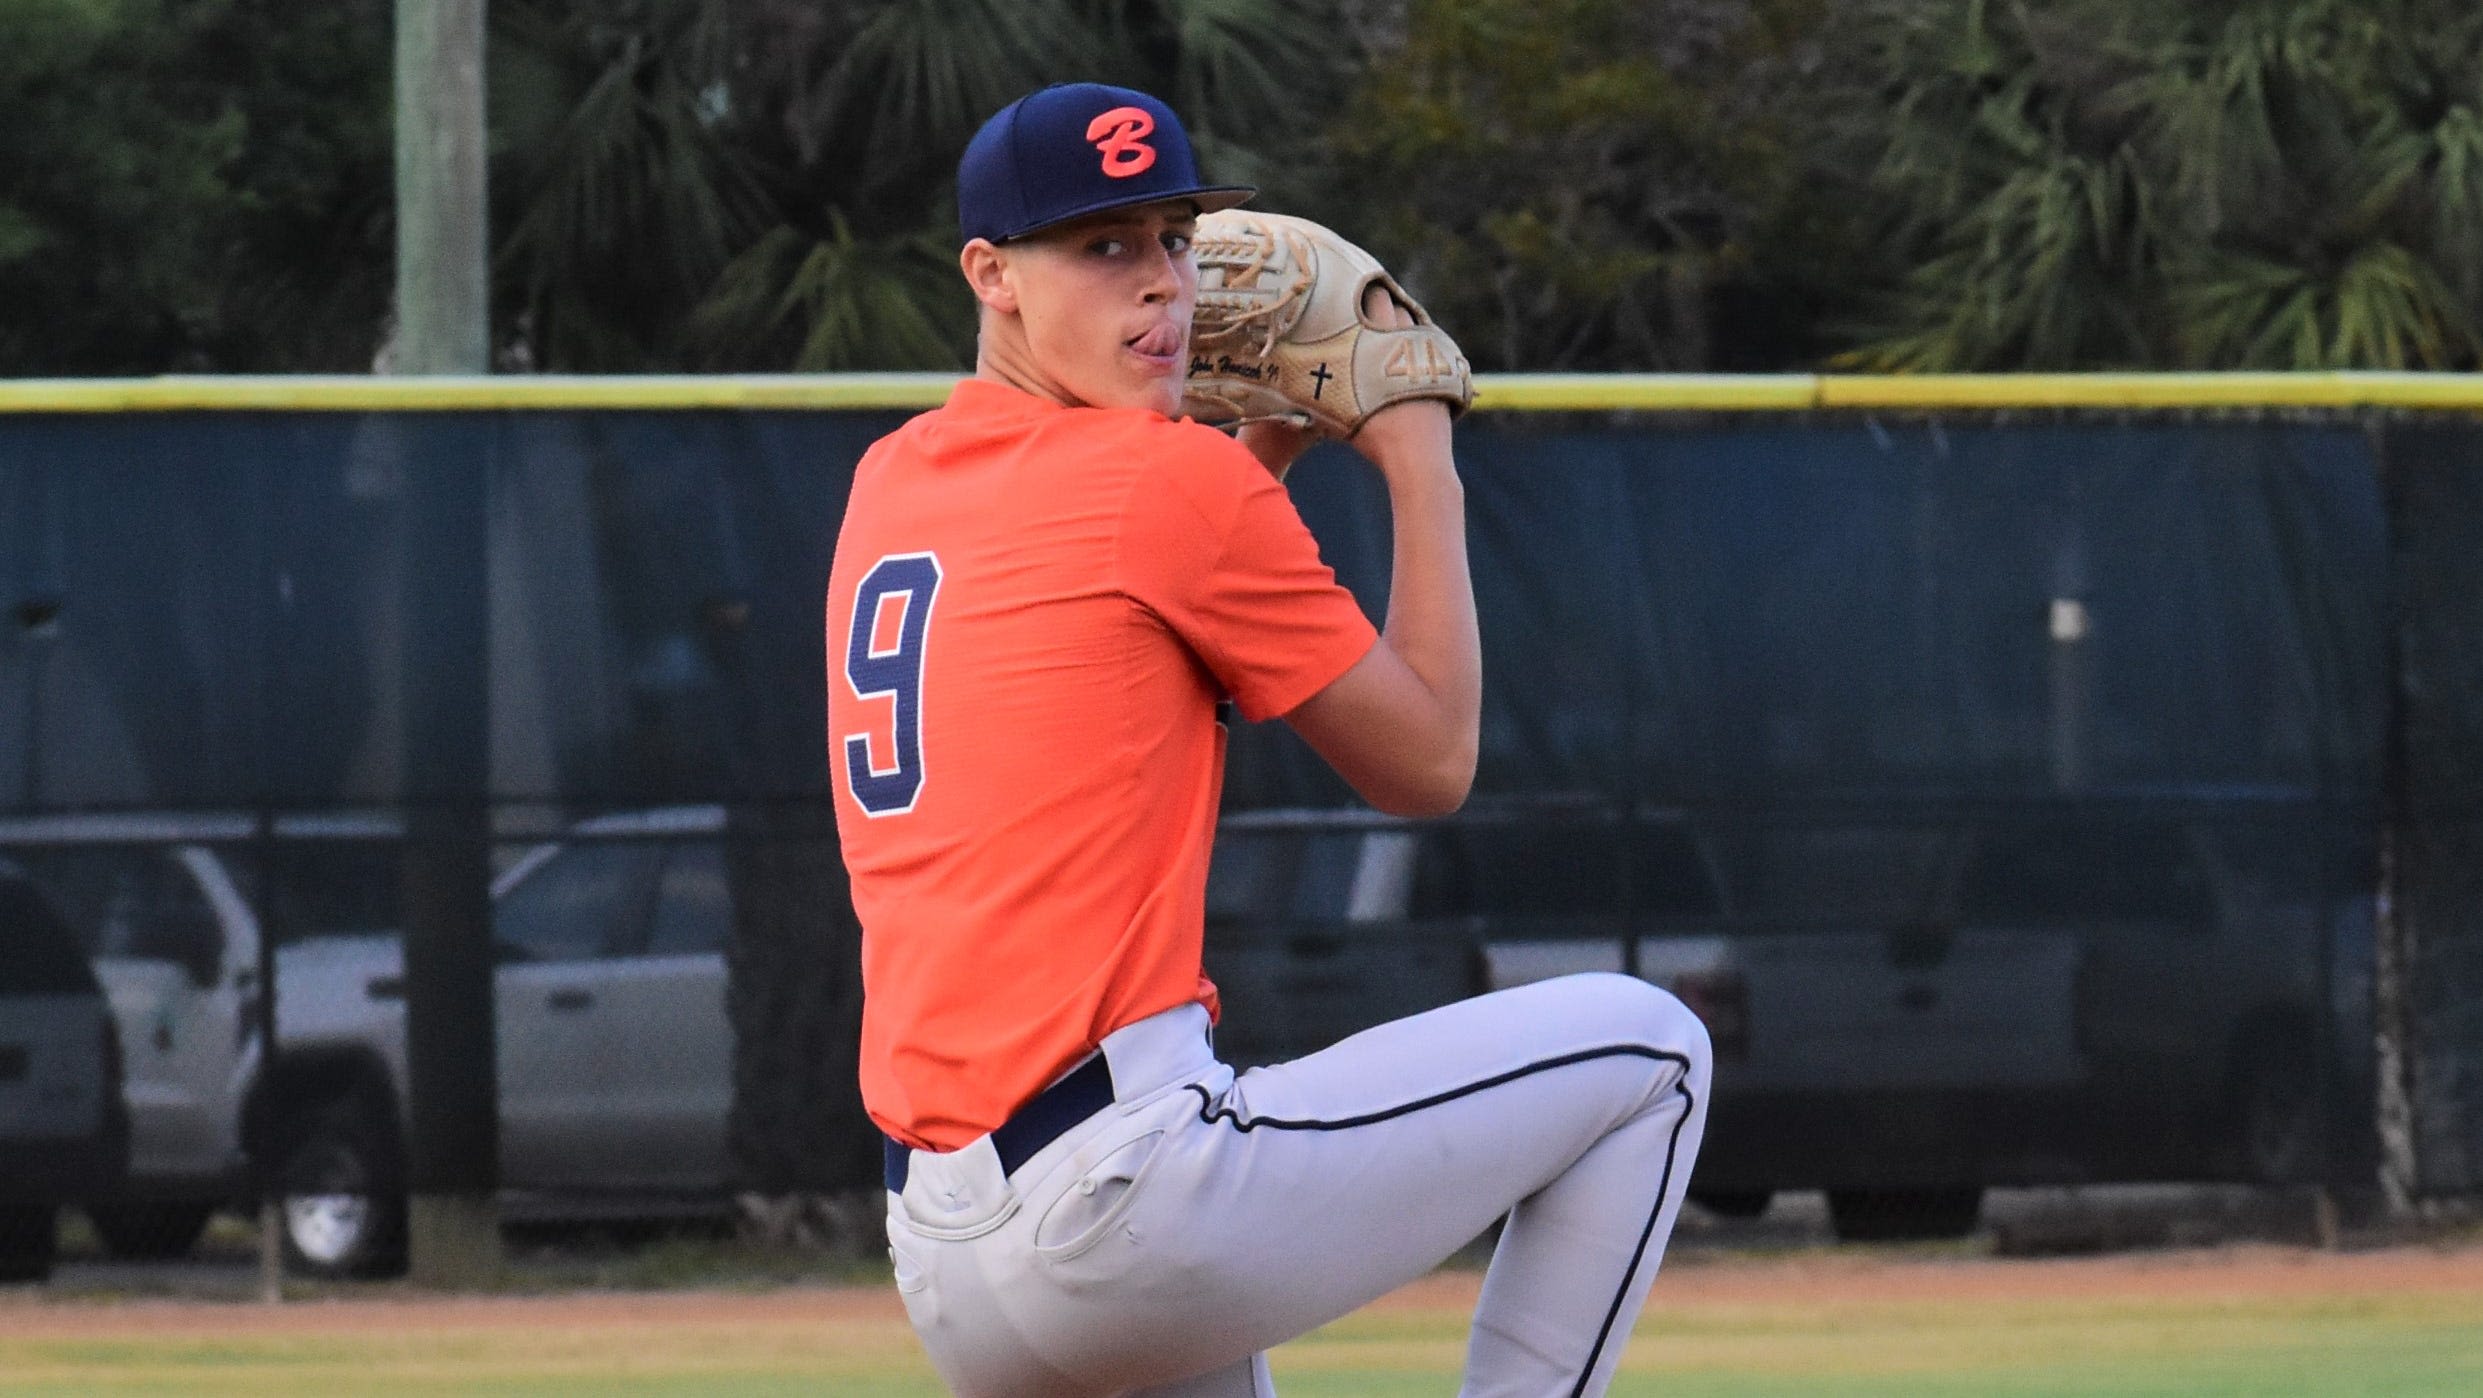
[[1235, 311]]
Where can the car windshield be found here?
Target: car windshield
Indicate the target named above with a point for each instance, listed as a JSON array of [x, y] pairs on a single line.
[[2140, 872], [1563, 868], [334, 887], [38, 951], [120, 900], [1280, 874], [1811, 873]]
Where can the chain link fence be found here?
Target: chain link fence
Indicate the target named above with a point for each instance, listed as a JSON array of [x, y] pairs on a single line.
[[2076, 798]]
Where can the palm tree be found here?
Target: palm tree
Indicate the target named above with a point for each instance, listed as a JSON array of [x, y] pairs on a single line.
[[762, 184], [2271, 184], [619, 190], [2327, 162]]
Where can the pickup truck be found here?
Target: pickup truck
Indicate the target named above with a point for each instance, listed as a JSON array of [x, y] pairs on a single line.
[[1906, 1009], [614, 1050]]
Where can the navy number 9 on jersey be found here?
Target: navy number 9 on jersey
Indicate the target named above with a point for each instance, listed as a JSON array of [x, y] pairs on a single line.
[[884, 655]]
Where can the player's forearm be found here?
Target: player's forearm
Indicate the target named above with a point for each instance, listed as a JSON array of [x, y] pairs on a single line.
[[1431, 622], [1401, 725]]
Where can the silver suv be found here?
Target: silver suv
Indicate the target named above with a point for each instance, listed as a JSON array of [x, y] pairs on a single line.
[[614, 1050], [616, 1056]]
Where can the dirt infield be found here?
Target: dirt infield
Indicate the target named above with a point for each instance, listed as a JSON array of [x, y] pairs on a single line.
[[1811, 1279]]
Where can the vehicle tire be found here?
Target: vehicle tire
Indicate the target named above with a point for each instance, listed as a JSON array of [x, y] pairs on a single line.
[[343, 1212], [28, 1238], [150, 1232], [1733, 1203], [1903, 1215]]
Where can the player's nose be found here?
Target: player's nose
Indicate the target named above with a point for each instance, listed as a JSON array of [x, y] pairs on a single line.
[[1160, 279]]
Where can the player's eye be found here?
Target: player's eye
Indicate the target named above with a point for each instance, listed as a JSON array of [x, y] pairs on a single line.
[[1177, 243], [1108, 247]]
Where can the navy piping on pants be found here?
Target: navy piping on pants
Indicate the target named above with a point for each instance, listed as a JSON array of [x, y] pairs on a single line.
[[1210, 1113]]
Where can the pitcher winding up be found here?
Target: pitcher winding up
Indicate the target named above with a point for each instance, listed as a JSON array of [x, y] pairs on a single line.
[[1044, 593]]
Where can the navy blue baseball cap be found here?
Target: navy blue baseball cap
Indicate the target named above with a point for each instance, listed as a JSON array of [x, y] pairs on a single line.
[[1074, 149]]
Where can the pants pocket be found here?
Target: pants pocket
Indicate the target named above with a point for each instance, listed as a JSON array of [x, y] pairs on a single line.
[[1090, 1206], [911, 1278]]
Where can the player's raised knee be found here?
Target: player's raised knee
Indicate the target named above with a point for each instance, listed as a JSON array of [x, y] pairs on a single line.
[[1626, 1007]]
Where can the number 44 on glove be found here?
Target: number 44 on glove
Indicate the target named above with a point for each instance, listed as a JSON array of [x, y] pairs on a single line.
[[1280, 332]]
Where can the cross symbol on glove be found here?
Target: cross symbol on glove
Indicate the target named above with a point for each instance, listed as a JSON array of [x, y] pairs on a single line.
[[1320, 377]]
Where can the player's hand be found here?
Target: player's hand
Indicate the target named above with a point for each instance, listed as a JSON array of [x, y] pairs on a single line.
[[1279, 444], [1384, 310], [1400, 431]]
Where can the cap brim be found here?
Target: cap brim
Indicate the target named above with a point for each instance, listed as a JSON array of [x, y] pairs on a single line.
[[1209, 198]]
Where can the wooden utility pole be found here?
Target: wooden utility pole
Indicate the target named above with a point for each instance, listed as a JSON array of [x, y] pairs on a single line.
[[444, 327]]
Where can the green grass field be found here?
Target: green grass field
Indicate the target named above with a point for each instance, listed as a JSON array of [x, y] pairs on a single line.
[[2178, 1342]]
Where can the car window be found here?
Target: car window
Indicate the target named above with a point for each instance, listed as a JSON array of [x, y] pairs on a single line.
[[1274, 875], [1809, 873], [329, 887], [2296, 859], [576, 904], [2128, 872], [1323, 884], [1563, 869], [1247, 875], [694, 912], [1536, 870], [1668, 877], [38, 950], [133, 901]]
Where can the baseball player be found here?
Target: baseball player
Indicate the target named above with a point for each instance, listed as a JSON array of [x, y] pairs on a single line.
[[1042, 592]]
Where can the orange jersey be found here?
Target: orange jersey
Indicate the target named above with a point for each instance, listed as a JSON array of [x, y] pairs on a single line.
[[1032, 615]]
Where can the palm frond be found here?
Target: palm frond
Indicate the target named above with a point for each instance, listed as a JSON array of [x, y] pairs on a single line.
[[629, 197], [2457, 199], [920, 75], [818, 304], [1246, 65], [2393, 312], [2383, 308]]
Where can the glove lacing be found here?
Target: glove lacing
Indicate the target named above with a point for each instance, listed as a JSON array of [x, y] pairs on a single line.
[[1235, 310]]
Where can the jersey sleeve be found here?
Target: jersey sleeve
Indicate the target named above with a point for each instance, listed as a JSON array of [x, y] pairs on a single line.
[[1220, 554]]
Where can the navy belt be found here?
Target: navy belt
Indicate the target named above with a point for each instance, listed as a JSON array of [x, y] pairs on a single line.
[[1037, 1124]]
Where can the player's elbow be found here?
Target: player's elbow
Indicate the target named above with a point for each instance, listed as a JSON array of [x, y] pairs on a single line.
[[1393, 738], [1423, 805]]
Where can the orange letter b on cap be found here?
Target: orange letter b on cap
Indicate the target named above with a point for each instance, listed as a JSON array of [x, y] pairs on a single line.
[[1116, 134]]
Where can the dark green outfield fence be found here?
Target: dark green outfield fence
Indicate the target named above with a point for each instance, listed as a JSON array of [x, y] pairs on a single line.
[[1992, 596], [2432, 474]]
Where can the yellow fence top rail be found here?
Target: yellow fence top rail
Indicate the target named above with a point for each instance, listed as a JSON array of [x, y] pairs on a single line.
[[1497, 392]]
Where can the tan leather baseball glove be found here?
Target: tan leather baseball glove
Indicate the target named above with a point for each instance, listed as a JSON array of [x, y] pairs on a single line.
[[1281, 332]]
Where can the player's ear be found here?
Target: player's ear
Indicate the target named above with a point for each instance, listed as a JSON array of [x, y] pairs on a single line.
[[987, 270]]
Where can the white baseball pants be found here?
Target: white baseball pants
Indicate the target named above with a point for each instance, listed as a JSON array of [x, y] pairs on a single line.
[[1162, 1245]]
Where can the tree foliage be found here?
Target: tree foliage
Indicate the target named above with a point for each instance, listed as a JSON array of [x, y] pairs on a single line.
[[1585, 184], [192, 185], [764, 184], [2265, 184], [619, 187]]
